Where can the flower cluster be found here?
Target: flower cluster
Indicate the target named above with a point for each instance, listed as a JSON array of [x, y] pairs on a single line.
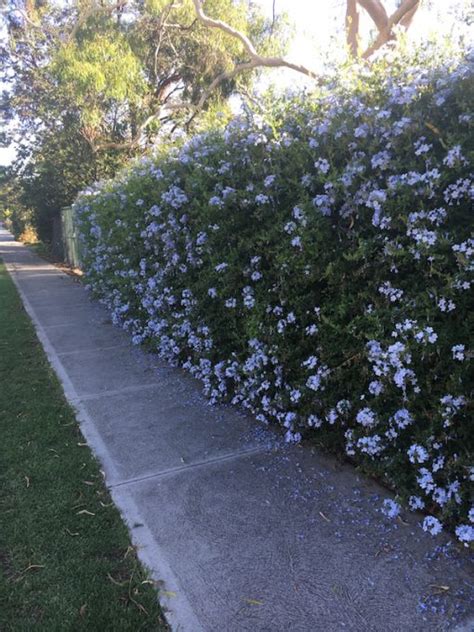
[[315, 269]]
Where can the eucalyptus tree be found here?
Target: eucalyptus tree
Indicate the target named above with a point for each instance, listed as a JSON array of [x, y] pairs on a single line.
[[90, 83]]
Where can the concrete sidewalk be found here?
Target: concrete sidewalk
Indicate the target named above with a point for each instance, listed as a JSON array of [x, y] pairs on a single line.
[[243, 532]]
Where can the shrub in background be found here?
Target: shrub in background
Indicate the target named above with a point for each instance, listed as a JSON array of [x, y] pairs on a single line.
[[20, 222], [316, 269]]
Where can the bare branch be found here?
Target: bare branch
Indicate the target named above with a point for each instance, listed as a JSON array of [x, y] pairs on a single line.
[[377, 12], [408, 17], [177, 88], [244, 92], [164, 84], [181, 27], [224, 76], [161, 26], [256, 58], [352, 27], [405, 11]]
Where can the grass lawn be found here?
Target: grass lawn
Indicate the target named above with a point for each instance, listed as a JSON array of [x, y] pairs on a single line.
[[66, 561]]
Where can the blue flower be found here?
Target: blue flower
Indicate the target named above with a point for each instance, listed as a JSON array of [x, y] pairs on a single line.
[[390, 508], [432, 525], [465, 533]]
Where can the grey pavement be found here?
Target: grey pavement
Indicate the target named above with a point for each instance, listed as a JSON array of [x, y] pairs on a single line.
[[242, 532]]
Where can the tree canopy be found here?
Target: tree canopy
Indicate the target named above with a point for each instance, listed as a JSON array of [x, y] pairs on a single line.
[[90, 83]]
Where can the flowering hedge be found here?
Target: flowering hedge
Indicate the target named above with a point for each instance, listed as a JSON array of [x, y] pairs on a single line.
[[316, 270]]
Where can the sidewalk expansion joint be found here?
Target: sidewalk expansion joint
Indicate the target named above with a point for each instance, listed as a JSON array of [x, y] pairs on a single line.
[[117, 391], [190, 466], [76, 304], [123, 345], [44, 291], [68, 323]]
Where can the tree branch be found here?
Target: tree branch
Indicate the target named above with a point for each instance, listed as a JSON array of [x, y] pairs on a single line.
[[273, 17], [408, 17], [161, 25], [377, 12], [39, 27], [224, 76], [405, 12], [352, 27], [257, 59]]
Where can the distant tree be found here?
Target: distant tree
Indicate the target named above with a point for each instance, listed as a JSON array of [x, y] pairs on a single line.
[[16, 216]]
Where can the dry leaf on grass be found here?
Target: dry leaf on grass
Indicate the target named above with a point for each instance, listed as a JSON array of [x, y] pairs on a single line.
[[116, 582], [72, 533], [31, 567]]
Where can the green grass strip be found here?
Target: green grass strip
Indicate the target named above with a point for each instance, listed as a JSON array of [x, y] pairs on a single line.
[[66, 561]]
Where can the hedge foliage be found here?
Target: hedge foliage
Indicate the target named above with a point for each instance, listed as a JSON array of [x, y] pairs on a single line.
[[315, 268]]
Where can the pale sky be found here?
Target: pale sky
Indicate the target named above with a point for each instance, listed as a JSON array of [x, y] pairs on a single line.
[[317, 25]]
